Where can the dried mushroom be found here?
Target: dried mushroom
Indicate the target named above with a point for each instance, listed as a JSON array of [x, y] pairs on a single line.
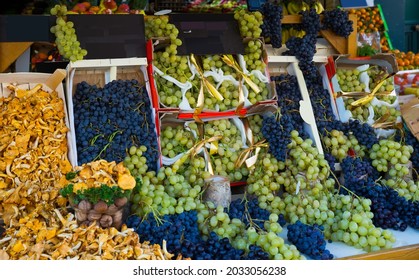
[[33, 150], [61, 238]]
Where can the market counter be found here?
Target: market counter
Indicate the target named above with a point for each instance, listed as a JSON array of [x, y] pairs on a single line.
[[410, 252]]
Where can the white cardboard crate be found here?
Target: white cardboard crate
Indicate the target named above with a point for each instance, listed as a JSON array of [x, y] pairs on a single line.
[[26, 80], [100, 72], [385, 61]]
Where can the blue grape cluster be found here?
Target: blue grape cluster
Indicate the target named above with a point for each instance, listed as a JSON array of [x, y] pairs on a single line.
[[110, 120], [309, 240], [271, 26], [278, 134], [390, 210], [363, 132], [310, 22], [338, 21], [320, 98], [408, 209], [304, 49], [182, 237], [216, 248], [255, 253], [331, 160], [175, 229], [289, 96], [249, 211], [357, 171]]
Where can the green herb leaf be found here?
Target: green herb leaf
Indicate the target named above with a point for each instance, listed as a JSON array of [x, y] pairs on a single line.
[[67, 190], [71, 175]]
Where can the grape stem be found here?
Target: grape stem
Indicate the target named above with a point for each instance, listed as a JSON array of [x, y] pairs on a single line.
[[342, 186], [249, 218], [156, 214], [93, 140], [110, 139]]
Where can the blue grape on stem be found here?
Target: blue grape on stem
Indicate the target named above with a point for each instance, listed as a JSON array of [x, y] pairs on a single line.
[[390, 209], [271, 26], [309, 240], [278, 134], [338, 21]]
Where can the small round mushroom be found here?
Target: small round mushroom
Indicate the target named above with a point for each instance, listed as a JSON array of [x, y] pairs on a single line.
[[112, 209], [117, 217], [106, 221], [121, 201], [93, 216], [101, 207], [84, 206], [81, 216]]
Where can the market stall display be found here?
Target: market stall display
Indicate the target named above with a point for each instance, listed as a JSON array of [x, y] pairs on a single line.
[[371, 22], [128, 170]]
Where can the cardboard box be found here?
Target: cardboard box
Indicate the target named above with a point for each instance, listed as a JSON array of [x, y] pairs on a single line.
[[172, 119], [49, 83], [384, 61], [410, 114], [184, 106]]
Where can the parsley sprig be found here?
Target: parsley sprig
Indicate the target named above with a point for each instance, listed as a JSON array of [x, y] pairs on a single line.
[[106, 193]]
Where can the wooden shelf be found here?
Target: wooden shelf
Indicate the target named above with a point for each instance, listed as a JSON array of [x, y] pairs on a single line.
[[341, 44], [410, 252], [9, 52]]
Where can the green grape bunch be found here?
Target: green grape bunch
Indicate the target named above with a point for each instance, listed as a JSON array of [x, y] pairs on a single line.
[[253, 55], [159, 27], [349, 80], [177, 139], [65, 35], [338, 144], [377, 75], [361, 113], [262, 95], [255, 123], [391, 114], [231, 134], [249, 23], [211, 62], [391, 157], [177, 67]]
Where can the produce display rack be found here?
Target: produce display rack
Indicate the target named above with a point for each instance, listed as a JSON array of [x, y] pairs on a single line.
[[105, 70], [341, 44]]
